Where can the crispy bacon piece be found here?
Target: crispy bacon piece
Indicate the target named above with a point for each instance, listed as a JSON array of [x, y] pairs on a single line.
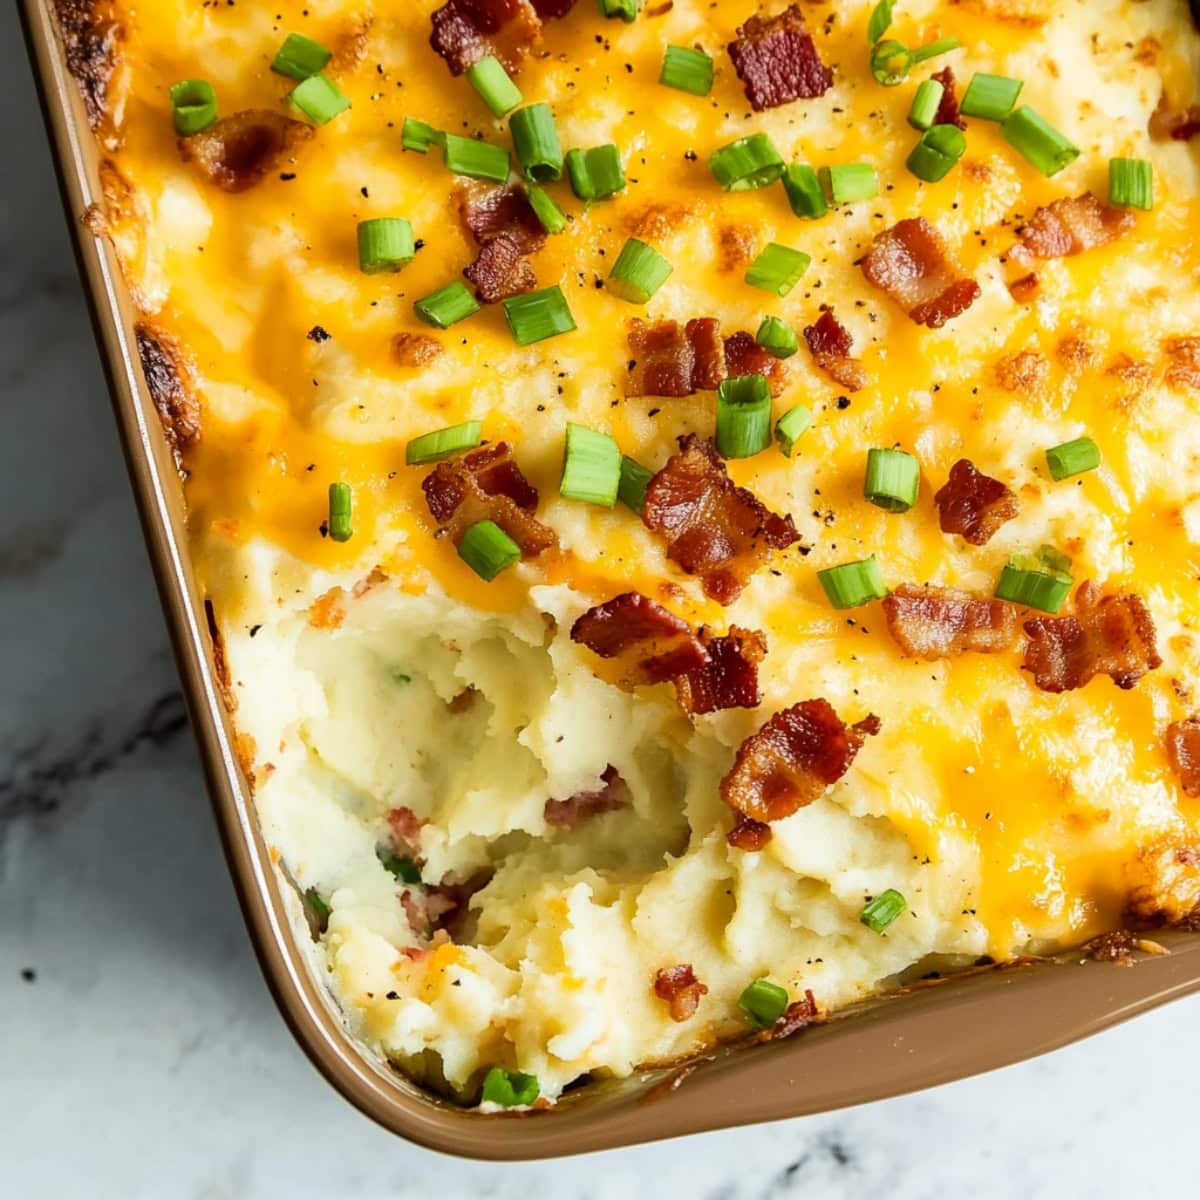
[[464, 31], [650, 643], [744, 356], [937, 622], [747, 834], [562, 814], [239, 150], [714, 528], [1183, 752], [792, 760], [680, 988], [406, 830], [800, 1014], [974, 504], [504, 224], [947, 113], [1107, 635], [830, 343], [670, 360], [777, 60], [1071, 225], [1177, 124], [500, 270], [730, 677], [912, 263], [550, 9], [487, 485]]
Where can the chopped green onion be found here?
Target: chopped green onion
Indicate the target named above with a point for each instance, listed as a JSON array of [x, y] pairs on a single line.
[[777, 269], [893, 477], [936, 153], [883, 910], [850, 584], [442, 443], [418, 136], [804, 191], [990, 96], [509, 1089], [777, 338], [627, 10], [318, 912], [591, 467], [743, 416], [546, 210], [597, 173], [687, 70], [750, 162], [385, 244], [764, 1003], [536, 142], [1032, 581], [1073, 458], [634, 480], [934, 49], [193, 106], [404, 869], [494, 85], [638, 272], [538, 315], [890, 62], [1131, 183], [319, 99], [849, 182], [880, 22], [299, 57], [1054, 558], [488, 550], [447, 306], [1038, 141], [341, 502], [790, 427], [475, 160], [925, 104]]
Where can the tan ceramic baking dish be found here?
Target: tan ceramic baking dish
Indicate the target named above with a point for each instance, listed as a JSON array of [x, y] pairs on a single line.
[[929, 1035]]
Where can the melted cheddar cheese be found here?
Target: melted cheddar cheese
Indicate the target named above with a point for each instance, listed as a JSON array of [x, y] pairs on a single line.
[[1007, 816]]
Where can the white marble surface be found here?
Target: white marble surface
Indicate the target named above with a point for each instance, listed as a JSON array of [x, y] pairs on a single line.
[[141, 1057]]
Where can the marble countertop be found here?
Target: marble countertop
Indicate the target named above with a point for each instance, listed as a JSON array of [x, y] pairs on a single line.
[[141, 1056]]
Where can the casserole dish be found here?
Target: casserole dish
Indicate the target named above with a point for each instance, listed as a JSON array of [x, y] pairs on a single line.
[[924, 1036]]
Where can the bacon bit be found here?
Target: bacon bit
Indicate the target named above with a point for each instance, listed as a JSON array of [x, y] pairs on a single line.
[[670, 360], [730, 677], [1183, 354], [744, 356], [1071, 225], [650, 642], [239, 150], [425, 908], [487, 485], [792, 760], [912, 263], [973, 504], [406, 830], [500, 270], [549, 9], [1165, 886], [1025, 289], [800, 1014], [169, 385], [1183, 752], [947, 113], [748, 835], [680, 988], [488, 214], [1167, 123], [714, 529], [935, 622], [830, 343], [777, 61], [464, 31], [1026, 372], [1115, 947], [1110, 635], [562, 814]]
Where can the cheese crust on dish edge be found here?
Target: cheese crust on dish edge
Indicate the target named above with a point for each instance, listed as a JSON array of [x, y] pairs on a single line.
[[649, 787]]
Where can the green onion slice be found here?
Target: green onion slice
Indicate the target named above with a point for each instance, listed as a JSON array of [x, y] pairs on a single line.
[[318, 912], [936, 153], [591, 466], [893, 478], [790, 427], [634, 480], [488, 550], [319, 99], [509, 1089], [597, 173], [777, 338], [1073, 458], [925, 104], [1038, 141], [804, 191], [638, 272], [538, 315], [475, 160], [891, 61], [880, 22], [990, 96], [935, 49], [1131, 183], [627, 10], [847, 183], [750, 162], [546, 210], [193, 106], [447, 306], [850, 584], [883, 910], [777, 269], [1032, 581], [442, 443], [743, 416], [341, 503], [687, 70], [404, 869], [385, 244], [536, 142], [416, 135], [764, 1003], [299, 57], [494, 85]]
